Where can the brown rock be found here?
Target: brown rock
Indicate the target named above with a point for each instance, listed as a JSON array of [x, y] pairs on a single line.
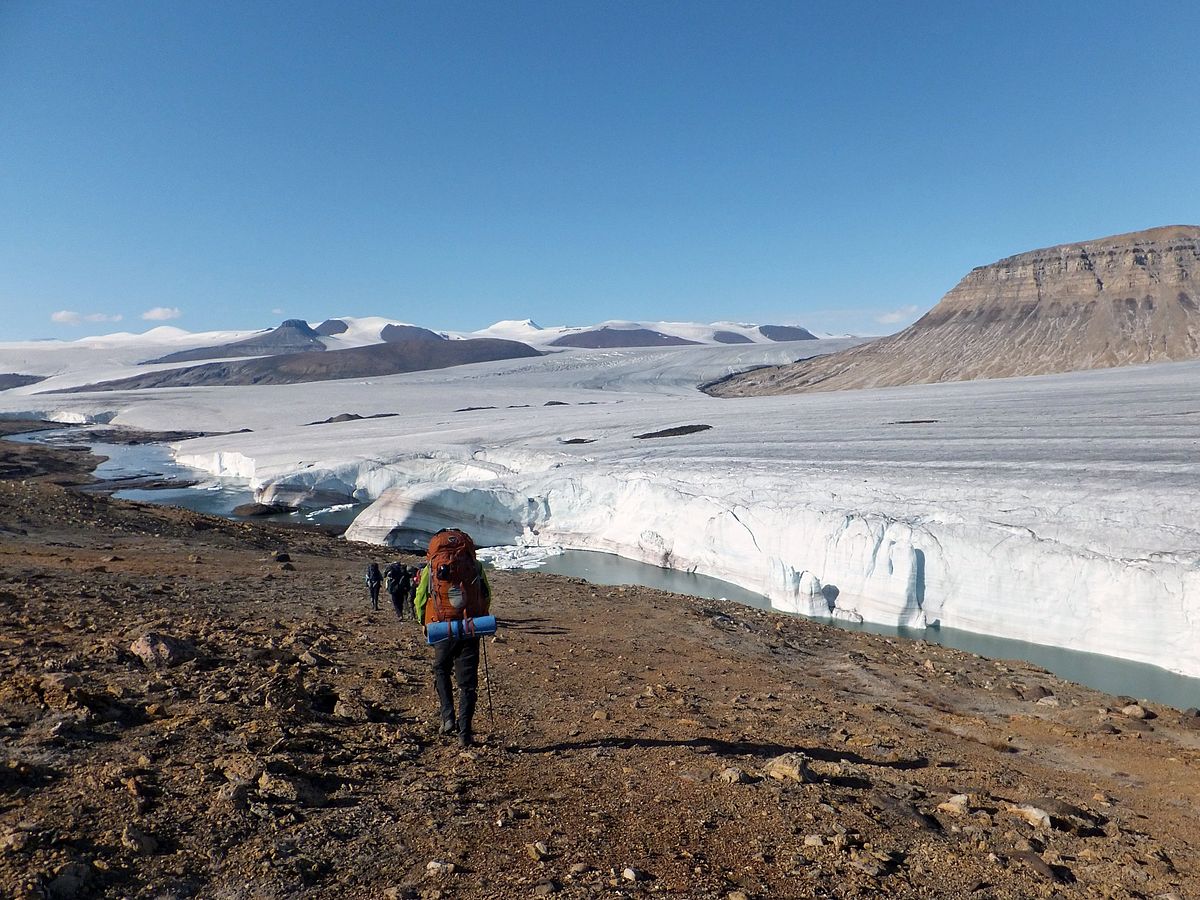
[[138, 841], [70, 880], [789, 767], [156, 649]]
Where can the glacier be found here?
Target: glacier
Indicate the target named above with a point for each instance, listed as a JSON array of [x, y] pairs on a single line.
[[1059, 509]]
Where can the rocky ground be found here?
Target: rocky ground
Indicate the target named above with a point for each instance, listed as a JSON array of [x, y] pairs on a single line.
[[192, 707]]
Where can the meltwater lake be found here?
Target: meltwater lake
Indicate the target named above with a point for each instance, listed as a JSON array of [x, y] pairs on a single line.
[[198, 491], [201, 492]]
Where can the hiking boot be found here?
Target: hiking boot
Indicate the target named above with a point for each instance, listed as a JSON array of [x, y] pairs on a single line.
[[465, 739], [449, 726]]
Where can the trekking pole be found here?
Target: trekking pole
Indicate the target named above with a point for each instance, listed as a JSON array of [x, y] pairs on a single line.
[[487, 677]]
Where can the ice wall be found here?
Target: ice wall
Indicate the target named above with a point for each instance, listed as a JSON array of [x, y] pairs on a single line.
[[819, 560]]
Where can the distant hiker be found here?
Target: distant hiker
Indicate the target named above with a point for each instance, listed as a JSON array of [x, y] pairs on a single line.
[[414, 575], [373, 580], [397, 581], [454, 586]]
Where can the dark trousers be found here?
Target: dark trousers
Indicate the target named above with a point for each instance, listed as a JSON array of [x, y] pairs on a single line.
[[402, 600], [463, 656], [374, 588]]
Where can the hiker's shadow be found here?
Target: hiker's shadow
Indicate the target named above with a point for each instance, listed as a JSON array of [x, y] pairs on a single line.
[[532, 626], [737, 748]]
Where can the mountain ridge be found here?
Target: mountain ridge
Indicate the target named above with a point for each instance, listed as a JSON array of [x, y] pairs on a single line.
[[1120, 300]]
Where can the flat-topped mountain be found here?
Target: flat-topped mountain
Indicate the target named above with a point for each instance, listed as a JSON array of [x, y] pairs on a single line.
[[605, 337], [1116, 301], [374, 360], [292, 336]]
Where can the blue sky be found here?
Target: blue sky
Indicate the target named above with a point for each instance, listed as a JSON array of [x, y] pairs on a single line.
[[840, 166]]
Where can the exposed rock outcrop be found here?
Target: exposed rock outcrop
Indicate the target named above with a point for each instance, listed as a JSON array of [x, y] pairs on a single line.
[[606, 337], [395, 334], [372, 361], [14, 380], [331, 327], [730, 337], [786, 333], [1116, 301], [293, 336]]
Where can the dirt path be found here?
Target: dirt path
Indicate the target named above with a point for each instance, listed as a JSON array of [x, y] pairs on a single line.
[[634, 740]]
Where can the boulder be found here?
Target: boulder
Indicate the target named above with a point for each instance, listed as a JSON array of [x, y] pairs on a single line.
[[156, 649], [789, 767]]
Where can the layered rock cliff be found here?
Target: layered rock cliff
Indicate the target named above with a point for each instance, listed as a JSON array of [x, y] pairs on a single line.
[[1116, 301]]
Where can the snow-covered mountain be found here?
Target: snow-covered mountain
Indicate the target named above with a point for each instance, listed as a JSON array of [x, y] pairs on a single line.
[[123, 355]]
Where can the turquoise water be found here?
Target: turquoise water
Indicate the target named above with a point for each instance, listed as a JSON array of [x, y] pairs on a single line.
[[213, 495], [222, 499], [1105, 673]]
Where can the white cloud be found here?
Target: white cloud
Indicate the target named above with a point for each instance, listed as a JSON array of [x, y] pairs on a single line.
[[277, 311], [897, 315], [162, 313], [70, 317]]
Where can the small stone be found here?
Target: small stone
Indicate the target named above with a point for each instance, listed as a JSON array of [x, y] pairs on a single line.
[[1135, 711], [1048, 700], [138, 841], [737, 895], [287, 567], [546, 888], [601, 715], [239, 768], [956, 805], [580, 868], [16, 842], [1035, 816], [281, 557], [789, 767], [814, 840], [733, 775], [537, 851], [634, 874], [438, 868], [869, 867], [279, 788]]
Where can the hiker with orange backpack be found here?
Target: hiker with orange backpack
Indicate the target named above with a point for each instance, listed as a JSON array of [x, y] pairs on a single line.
[[452, 594]]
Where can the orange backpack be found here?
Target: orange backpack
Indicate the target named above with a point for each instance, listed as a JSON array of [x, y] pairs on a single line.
[[455, 581]]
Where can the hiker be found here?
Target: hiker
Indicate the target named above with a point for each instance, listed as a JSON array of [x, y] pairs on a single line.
[[397, 581], [373, 580], [453, 586]]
